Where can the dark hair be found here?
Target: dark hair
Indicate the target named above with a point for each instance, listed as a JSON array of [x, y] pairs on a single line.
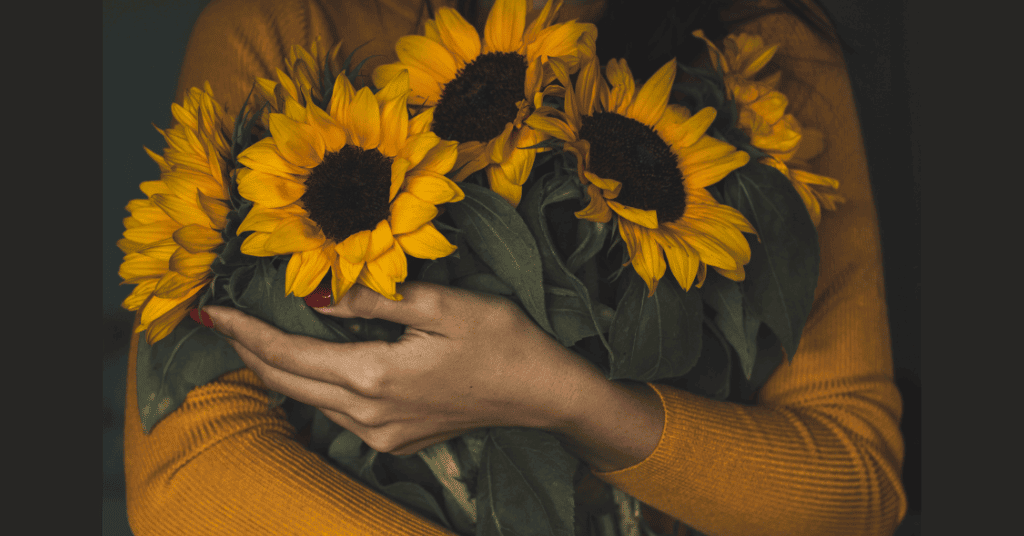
[[651, 32], [648, 33]]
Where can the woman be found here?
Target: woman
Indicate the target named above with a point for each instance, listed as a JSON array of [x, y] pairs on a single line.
[[820, 452]]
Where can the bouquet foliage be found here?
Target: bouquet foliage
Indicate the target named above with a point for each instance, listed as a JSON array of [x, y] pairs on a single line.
[[510, 164]]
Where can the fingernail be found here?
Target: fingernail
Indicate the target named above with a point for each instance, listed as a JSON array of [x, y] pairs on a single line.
[[321, 297], [201, 317]]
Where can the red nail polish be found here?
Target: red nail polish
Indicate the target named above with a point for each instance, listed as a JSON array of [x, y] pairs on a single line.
[[201, 317], [321, 297]]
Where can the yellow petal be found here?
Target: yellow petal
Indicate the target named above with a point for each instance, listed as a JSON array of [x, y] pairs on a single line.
[[472, 157], [622, 87], [710, 249], [708, 175], [128, 246], [682, 261], [264, 156], [433, 188], [264, 219], [418, 145], [154, 187], [191, 265], [306, 269], [503, 31], [551, 126], [197, 238], [298, 143], [215, 209], [409, 213], [544, 19], [641, 217], [329, 129], [381, 240], [611, 187], [597, 210], [183, 211], [139, 295], [695, 127], [343, 275], [644, 253], [503, 185], [353, 248], [587, 86], [254, 245], [394, 115], [152, 232], [425, 243], [457, 34], [138, 267], [363, 120], [161, 326], [293, 235], [382, 274], [341, 99], [399, 167], [419, 52], [269, 190], [421, 122], [440, 158]]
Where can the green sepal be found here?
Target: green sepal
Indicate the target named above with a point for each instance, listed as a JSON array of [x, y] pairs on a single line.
[[498, 235], [783, 268], [655, 337], [525, 485]]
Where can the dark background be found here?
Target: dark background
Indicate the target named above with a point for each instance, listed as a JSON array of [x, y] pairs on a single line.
[[143, 46]]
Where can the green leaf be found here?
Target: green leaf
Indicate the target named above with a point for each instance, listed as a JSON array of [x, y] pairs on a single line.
[[488, 283], [571, 318], [783, 268], [544, 192], [190, 356], [710, 376], [655, 337], [591, 238], [737, 323], [525, 485], [453, 473], [370, 467], [498, 235]]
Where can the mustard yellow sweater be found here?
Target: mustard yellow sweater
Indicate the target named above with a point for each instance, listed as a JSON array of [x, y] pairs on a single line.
[[820, 453]]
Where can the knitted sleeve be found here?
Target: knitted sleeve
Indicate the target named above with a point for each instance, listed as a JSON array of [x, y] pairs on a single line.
[[821, 452]]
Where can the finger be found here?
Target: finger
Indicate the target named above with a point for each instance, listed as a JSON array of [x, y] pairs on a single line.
[[422, 305], [339, 364], [400, 438], [305, 390]]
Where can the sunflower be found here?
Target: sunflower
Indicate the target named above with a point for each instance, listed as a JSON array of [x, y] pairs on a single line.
[[479, 91], [350, 190], [299, 82], [170, 237], [762, 115], [649, 163]]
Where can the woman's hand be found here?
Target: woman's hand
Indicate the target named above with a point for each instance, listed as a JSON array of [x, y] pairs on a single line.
[[465, 361]]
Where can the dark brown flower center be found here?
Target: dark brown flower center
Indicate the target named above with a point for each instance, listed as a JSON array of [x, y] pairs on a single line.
[[630, 152], [481, 99], [348, 192]]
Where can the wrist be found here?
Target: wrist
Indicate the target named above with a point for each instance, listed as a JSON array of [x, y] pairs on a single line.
[[610, 425]]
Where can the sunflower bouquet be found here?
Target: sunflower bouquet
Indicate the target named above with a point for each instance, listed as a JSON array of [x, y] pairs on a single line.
[[510, 163]]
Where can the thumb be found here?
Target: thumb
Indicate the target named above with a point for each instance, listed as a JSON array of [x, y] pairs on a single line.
[[420, 307]]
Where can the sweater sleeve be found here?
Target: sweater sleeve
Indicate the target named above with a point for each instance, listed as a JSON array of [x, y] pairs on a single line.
[[821, 451]]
